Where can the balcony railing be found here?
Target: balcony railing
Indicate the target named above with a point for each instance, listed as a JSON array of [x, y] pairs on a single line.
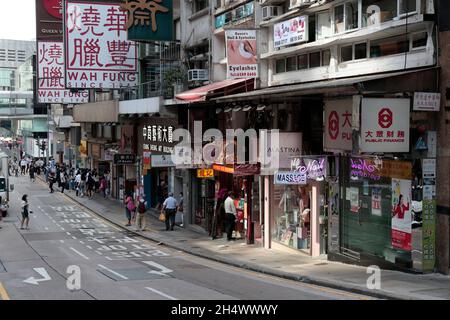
[[198, 75]]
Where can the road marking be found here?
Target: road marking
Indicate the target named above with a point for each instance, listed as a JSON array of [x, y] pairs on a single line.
[[42, 272], [63, 229], [79, 253], [108, 258], [98, 252], [3, 294], [62, 241], [68, 233], [89, 247], [161, 293], [75, 238], [46, 228], [113, 272], [163, 270], [82, 242]]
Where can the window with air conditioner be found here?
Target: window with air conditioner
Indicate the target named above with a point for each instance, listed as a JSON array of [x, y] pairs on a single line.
[[270, 12]]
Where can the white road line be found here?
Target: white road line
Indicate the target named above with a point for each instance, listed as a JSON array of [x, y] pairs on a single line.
[[62, 241], [108, 258], [63, 229], [68, 233], [46, 228], [78, 252], [89, 247], [161, 293], [113, 272], [82, 242], [98, 252], [75, 238]]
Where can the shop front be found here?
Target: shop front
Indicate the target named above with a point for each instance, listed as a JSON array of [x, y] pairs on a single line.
[[124, 175]]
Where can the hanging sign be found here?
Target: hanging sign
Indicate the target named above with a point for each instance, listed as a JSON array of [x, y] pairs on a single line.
[[385, 125], [292, 31], [338, 125], [427, 101], [241, 50]]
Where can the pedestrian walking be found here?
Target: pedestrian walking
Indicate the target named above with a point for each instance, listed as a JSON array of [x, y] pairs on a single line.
[[77, 183], [230, 216], [129, 209], [63, 179], [219, 215], [32, 172], [170, 209], [103, 186], [83, 182], [25, 213], [51, 181], [90, 185], [140, 215]]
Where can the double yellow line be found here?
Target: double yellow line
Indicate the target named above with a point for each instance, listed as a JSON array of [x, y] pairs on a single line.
[[3, 294]]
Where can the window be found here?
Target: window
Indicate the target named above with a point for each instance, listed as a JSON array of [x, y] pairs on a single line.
[[200, 5], [220, 21], [323, 25], [346, 17], [314, 59], [389, 46], [419, 40], [339, 19], [326, 56], [240, 13], [302, 62], [360, 51], [280, 66], [249, 9], [378, 11], [407, 6], [346, 53], [228, 17], [291, 64]]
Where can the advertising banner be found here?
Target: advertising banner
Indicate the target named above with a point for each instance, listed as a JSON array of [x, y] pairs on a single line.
[[401, 214], [49, 24], [242, 60], [385, 125], [51, 76], [338, 125], [291, 31], [428, 235], [295, 178], [149, 20], [98, 53], [376, 201]]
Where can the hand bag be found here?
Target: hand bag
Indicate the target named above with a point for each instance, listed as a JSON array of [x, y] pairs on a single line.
[[162, 217]]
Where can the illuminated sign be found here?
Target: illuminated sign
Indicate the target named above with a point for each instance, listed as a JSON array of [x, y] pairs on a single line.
[[205, 173]]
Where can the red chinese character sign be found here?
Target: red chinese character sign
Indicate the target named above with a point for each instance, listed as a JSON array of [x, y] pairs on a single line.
[[98, 54], [51, 89], [338, 125], [385, 125]]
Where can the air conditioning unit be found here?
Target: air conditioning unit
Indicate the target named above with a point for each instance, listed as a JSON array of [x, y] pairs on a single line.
[[298, 3], [198, 75], [270, 12]]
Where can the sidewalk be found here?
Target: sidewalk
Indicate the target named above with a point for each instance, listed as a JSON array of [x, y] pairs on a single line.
[[289, 265]]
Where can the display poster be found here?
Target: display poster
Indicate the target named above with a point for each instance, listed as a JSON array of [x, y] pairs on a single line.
[[428, 235], [51, 76], [354, 200], [338, 125], [376, 201], [401, 214], [98, 53], [385, 125], [429, 168], [429, 192], [241, 51], [292, 31], [333, 214]]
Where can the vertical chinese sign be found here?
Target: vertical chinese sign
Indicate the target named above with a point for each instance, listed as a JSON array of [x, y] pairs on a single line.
[[149, 19], [385, 125], [51, 88], [241, 50], [338, 125], [428, 234], [98, 53]]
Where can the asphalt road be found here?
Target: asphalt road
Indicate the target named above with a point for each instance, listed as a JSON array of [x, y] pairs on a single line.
[[64, 238]]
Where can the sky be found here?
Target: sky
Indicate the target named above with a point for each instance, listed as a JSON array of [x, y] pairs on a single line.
[[17, 19]]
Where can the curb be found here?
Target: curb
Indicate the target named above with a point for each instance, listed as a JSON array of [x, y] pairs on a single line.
[[254, 267]]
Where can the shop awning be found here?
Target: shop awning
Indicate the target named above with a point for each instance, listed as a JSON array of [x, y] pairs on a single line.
[[216, 89], [340, 86]]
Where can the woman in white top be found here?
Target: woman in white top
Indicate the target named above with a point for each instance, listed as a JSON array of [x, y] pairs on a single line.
[[25, 212]]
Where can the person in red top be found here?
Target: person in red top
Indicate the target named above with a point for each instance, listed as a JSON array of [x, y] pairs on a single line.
[[400, 208]]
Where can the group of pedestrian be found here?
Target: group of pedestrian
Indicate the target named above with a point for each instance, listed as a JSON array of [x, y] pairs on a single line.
[[225, 215], [136, 213], [87, 182]]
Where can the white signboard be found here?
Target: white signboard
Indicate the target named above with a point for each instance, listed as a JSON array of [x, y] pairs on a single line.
[[291, 31], [385, 125], [241, 50], [429, 168], [162, 161], [279, 154], [427, 101], [98, 54], [432, 144], [290, 178], [51, 75], [338, 125]]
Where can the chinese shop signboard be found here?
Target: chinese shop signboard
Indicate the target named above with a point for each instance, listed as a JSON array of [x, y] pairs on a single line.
[[98, 53], [51, 89], [385, 125], [401, 214], [338, 125], [205, 173], [291, 31], [124, 159], [149, 19], [242, 61], [427, 101], [156, 135], [428, 235], [49, 20]]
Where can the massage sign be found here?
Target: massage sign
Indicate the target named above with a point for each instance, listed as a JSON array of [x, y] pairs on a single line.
[[385, 125]]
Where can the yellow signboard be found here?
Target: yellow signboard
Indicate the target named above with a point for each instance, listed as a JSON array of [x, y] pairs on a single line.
[[205, 173]]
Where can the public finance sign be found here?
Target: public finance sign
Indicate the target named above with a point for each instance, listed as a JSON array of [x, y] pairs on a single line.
[[49, 20], [385, 125], [242, 61], [51, 75], [149, 19], [291, 31], [338, 125], [98, 53]]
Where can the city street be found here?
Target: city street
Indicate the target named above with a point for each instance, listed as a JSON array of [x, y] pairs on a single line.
[[113, 263]]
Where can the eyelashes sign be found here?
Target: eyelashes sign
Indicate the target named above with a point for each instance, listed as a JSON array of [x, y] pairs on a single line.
[[242, 59]]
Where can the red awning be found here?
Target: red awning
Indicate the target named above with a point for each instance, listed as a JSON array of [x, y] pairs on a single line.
[[216, 89]]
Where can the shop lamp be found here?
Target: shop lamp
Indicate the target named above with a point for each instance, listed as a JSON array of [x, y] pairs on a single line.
[[260, 108], [218, 110], [228, 109], [247, 108], [237, 109]]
